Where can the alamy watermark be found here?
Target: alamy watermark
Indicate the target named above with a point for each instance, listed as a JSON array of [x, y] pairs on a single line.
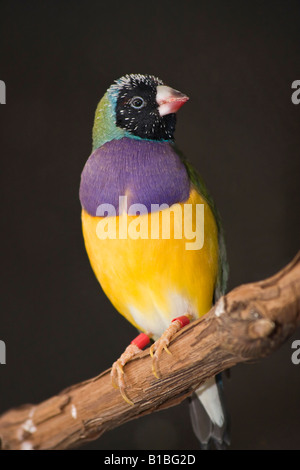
[[188, 222], [296, 95], [296, 354], [2, 92], [2, 352]]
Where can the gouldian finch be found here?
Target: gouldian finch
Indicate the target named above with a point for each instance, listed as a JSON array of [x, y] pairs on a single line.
[[152, 233]]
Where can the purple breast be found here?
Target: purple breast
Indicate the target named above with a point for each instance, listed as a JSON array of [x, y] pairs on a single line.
[[146, 172]]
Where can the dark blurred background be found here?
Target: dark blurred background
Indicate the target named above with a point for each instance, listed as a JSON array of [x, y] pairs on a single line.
[[237, 61]]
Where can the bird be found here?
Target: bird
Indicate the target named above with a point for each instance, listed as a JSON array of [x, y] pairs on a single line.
[[140, 198]]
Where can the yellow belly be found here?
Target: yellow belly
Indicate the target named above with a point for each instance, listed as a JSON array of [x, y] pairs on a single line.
[[152, 280]]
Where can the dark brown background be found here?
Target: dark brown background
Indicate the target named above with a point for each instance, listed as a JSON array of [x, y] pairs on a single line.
[[236, 61]]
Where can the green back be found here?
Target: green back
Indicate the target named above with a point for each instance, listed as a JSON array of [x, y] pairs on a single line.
[[199, 184]]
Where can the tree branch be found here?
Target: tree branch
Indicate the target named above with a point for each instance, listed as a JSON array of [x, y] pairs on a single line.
[[248, 323]]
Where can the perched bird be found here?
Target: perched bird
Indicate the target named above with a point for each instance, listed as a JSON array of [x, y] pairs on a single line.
[[140, 199]]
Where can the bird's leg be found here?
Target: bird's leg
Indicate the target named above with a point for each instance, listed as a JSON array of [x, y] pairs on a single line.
[[164, 341], [117, 372]]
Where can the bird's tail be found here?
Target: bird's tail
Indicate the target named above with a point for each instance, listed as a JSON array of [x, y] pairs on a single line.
[[208, 414]]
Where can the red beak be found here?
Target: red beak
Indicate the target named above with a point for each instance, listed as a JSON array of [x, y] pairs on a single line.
[[169, 100]]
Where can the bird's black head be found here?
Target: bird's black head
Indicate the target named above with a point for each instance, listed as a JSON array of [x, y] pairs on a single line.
[[145, 107]]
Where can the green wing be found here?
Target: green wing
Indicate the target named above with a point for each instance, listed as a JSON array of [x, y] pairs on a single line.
[[199, 184]]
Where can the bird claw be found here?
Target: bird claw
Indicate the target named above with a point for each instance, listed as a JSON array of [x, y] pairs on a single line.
[[167, 350], [117, 371], [154, 368], [163, 343]]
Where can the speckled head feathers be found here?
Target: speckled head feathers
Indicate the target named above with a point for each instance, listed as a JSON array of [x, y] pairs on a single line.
[[139, 107], [134, 97], [133, 80]]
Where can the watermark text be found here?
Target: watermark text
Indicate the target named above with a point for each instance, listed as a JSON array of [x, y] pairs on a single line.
[[296, 95], [2, 92], [2, 352], [296, 354], [164, 222]]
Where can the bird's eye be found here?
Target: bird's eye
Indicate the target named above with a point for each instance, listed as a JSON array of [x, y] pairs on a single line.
[[137, 102]]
